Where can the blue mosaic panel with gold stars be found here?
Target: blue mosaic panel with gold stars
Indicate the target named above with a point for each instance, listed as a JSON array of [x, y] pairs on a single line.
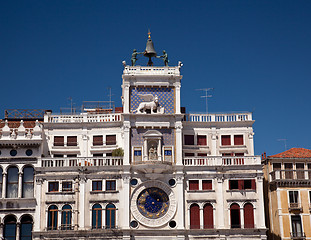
[[137, 136], [165, 96]]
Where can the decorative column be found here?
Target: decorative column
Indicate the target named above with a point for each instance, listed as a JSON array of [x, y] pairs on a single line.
[[20, 183], [177, 97], [37, 224], [251, 143], [18, 224], [81, 207], [178, 148], [220, 208], [213, 145], [126, 97], [76, 210], [4, 184], [126, 129], [180, 216], [242, 216], [260, 210], [125, 201], [201, 217]]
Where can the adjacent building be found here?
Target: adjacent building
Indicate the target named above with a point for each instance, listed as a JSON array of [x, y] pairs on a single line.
[[288, 194], [150, 171]]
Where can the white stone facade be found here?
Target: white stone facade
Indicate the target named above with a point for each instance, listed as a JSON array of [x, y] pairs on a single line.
[[181, 176]]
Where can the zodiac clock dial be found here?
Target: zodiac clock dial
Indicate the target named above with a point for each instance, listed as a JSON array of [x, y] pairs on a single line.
[[153, 203]]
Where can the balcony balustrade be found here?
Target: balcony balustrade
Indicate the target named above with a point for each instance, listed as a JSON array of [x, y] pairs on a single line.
[[218, 117], [294, 206], [81, 161], [290, 175], [83, 117], [298, 235], [150, 70], [221, 161]]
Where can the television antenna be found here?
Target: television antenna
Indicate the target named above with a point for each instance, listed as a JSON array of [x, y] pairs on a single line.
[[206, 96], [285, 142]]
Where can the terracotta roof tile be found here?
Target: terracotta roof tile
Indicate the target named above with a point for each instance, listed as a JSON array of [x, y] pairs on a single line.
[[293, 153]]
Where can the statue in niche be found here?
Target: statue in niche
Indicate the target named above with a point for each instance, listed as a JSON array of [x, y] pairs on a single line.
[[151, 104], [153, 155]]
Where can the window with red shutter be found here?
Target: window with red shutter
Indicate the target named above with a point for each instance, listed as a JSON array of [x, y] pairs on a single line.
[[194, 216], [189, 139], [208, 216], [58, 140], [248, 216], [111, 140], [201, 140], [235, 216], [233, 184], [193, 184], [241, 184], [72, 141], [207, 185], [98, 140], [225, 140], [238, 140]]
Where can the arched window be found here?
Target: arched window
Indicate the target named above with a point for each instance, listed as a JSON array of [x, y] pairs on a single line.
[[28, 182], [26, 228], [52, 217], [1, 181], [96, 216], [9, 231], [235, 216], [110, 216], [66, 217], [194, 216], [248, 215], [208, 216], [12, 183]]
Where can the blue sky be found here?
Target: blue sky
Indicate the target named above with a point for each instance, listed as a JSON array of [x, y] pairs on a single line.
[[255, 54]]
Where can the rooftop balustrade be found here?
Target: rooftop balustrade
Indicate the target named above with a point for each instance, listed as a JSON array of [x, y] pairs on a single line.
[[82, 118], [218, 117], [151, 70], [20, 133]]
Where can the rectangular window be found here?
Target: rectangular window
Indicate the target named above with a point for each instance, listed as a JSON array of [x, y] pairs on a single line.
[[276, 166], [225, 140], [110, 185], [111, 140], [293, 196], [98, 140], [193, 184], [201, 140], [288, 170], [58, 140], [97, 185], [296, 227], [97, 154], [300, 170], [66, 186], [238, 140], [233, 184], [58, 155], [72, 141], [189, 139], [189, 154], [53, 186], [309, 170], [207, 185]]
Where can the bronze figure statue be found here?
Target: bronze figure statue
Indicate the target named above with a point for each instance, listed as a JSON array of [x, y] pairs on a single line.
[[165, 58], [134, 56]]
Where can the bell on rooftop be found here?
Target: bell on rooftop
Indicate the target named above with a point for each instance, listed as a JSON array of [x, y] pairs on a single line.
[[150, 52]]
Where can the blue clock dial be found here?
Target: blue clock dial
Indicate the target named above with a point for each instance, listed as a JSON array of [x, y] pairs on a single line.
[[153, 202]]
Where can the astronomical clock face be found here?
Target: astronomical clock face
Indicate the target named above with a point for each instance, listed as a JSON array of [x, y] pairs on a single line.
[[153, 203]]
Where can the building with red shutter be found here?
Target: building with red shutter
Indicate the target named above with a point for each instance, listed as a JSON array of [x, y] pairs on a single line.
[[146, 171]]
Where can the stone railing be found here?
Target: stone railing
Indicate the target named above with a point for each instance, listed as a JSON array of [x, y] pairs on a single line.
[[221, 161], [81, 161], [150, 70], [218, 117], [290, 175], [84, 117]]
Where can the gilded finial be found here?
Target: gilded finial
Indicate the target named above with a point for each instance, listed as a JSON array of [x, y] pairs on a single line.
[[149, 33]]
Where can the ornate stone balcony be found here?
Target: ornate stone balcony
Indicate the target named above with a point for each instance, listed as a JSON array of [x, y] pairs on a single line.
[[151, 70]]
